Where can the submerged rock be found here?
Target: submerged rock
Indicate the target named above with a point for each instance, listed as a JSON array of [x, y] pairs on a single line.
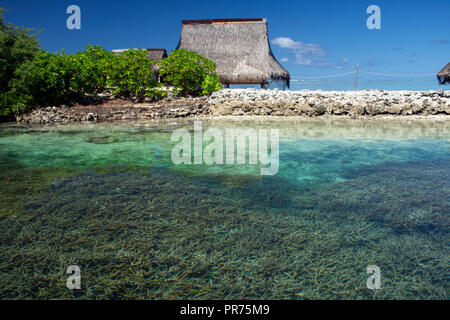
[[102, 140]]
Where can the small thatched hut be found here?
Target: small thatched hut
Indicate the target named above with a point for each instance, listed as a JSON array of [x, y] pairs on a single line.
[[157, 54], [444, 75], [239, 47]]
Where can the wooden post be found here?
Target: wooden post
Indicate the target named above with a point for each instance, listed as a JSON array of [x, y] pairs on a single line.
[[356, 79]]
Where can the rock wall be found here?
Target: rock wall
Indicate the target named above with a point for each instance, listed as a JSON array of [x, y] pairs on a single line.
[[249, 102], [118, 111], [317, 103]]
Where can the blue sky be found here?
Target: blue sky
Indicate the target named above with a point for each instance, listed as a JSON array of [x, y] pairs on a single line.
[[309, 38]]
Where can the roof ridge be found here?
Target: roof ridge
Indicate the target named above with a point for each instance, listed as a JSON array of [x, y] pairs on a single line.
[[234, 20]]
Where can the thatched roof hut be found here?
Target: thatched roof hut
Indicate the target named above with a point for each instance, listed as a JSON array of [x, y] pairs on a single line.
[[239, 47], [444, 75]]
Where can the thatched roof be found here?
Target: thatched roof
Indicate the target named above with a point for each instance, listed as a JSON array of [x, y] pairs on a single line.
[[239, 47], [157, 54], [444, 75]]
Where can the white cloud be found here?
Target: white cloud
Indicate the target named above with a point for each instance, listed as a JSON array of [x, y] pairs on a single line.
[[284, 59], [305, 53], [284, 42], [308, 54]]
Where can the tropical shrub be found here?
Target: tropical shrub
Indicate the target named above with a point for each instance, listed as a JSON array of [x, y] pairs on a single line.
[[93, 66], [49, 79], [189, 72], [55, 79], [131, 75], [36, 82], [31, 77], [210, 84], [17, 46]]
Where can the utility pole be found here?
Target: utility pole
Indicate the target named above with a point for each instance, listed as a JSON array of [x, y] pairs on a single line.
[[356, 79]]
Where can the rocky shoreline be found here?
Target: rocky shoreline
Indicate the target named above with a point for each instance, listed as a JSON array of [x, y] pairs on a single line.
[[256, 102]]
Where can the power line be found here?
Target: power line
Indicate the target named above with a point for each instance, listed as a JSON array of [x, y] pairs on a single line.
[[399, 74], [367, 72], [327, 76]]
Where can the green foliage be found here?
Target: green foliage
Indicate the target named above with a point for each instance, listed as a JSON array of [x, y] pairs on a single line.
[[30, 77], [17, 46], [156, 93], [92, 70], [37, 82], [210, 84], [190, 72], [131, 75], [55, 79]]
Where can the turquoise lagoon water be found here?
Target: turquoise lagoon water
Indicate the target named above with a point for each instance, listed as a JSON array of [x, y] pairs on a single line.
[[107, 197]]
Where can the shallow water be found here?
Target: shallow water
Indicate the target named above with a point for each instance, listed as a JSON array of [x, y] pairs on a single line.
[[107, 197]]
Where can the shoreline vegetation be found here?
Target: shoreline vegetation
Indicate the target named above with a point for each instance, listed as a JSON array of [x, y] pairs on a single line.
[[365, 104], [31, 77], [96, 85]]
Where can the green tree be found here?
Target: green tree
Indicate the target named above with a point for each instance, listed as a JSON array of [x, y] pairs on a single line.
[[17, 46], [190, 72], [31, 77], [93, 67], [55, 79], [48, 79], [131, 75], [36, 82]]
